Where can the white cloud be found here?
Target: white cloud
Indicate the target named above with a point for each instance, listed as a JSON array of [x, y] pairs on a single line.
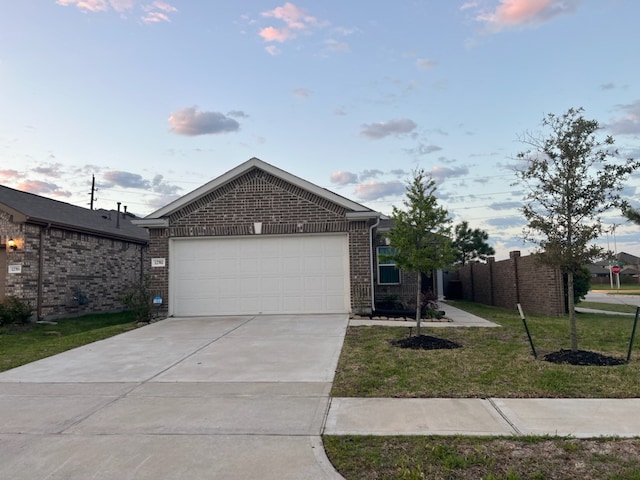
[[367, 174], [629, 122], [441, 173], [343, 178], [43, 188], [425, 63], [380, 130], [191, 122], [375, 190], [301, 93]]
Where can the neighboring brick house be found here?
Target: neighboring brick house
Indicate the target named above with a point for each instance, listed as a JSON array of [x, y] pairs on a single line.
[[67, 260], [260, 240]]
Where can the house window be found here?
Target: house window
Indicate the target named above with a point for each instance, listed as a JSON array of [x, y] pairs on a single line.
[[388, 274]]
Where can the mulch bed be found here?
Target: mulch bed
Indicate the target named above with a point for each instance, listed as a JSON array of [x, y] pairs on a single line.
[[425, 342], [583, 357]]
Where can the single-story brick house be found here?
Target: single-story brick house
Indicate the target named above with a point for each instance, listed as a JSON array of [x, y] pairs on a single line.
[[67, 260], [258, 239]]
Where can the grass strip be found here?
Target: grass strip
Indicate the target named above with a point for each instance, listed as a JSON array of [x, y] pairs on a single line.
[[22, 344], [508, 458], [608, 307]]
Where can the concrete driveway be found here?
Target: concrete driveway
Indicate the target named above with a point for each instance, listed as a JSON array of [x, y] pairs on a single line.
[[184, 398]]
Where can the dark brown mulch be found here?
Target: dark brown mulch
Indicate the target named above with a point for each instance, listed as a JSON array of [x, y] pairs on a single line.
[[425, 342], [583, 357]]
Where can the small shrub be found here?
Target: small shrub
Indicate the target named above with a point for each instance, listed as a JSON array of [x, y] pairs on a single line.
[[14, 311], [138, 300]]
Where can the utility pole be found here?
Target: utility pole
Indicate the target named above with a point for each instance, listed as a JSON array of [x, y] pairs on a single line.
[[93, 190]]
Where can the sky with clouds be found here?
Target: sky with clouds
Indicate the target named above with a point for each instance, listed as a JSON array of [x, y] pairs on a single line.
[[155, 98]]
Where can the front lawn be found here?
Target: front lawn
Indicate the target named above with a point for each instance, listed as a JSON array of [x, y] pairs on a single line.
[[492, 362], [21, 344]]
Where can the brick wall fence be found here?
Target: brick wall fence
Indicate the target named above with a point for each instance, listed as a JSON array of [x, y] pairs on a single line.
[[66, 273], [537, 287]]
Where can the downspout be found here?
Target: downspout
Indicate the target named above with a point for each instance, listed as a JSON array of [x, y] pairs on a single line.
[[373, 295]]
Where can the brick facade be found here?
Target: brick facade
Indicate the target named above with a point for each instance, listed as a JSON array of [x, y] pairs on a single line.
[[67, 273], [281, 207], [537, 287]]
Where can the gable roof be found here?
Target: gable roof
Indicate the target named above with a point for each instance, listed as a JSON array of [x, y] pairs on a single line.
[[158, 218], [30, 208]]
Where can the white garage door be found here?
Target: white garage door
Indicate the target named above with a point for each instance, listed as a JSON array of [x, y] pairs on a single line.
[[252, 275]]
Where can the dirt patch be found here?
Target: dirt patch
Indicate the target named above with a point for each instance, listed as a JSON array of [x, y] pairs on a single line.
[[425, 342], [583, 357]]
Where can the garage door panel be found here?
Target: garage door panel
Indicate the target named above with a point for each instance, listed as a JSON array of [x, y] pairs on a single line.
[[251, 275]]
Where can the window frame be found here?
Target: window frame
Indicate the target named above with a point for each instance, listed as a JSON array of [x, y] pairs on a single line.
[[386, 264]]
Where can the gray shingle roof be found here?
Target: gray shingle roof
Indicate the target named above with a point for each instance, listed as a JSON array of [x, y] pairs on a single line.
[[36, 209]]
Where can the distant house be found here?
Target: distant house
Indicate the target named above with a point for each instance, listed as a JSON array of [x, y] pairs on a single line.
[[629, 264], [67, 260]]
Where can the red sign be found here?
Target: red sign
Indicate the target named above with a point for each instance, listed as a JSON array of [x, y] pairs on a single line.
[[615, 269]]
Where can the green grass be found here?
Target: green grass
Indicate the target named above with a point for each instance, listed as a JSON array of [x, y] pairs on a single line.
[[609, 307], [493, 362], [26, 343], [625, 288], [504, 458]]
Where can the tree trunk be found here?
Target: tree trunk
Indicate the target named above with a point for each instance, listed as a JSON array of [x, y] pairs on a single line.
[[572, 312], [419, 304]]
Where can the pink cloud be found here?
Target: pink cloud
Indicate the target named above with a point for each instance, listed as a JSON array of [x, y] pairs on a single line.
[[294, 17], [158, 11], [40, 188], [154, 12], [295, 20], [514, 13], [86, 5], [8, 175], [272, 34]]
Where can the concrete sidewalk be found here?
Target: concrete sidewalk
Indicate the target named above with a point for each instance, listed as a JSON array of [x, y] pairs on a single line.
[[454, 317], [469, 416], [580, 418]]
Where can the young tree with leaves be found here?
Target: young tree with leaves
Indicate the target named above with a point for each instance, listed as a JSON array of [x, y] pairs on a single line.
[[420, 236], [632, 214], [572, 178], [471, 244]]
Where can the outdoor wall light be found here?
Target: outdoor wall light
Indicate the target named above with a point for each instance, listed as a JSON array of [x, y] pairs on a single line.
[[15, 243]]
